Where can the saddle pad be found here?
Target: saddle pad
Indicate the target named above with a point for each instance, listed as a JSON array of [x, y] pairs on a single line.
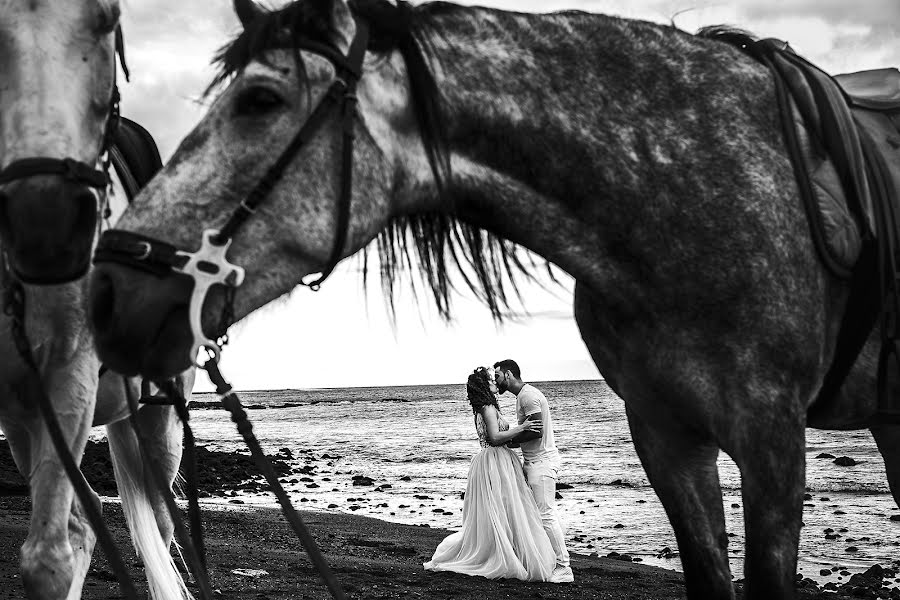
[[878, 89]]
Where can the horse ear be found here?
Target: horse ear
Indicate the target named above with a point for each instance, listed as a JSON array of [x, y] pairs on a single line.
[[246, 11], [342, 24]]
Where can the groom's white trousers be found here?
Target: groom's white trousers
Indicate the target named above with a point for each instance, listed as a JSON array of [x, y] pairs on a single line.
[[541, 477]]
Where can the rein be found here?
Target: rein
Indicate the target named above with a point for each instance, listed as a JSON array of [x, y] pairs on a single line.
[[209, 265]]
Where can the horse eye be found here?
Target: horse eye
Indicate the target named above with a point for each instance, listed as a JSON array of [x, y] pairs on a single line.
[[257, 101]]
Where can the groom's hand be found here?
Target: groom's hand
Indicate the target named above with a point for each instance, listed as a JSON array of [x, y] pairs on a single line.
[[534, 434]]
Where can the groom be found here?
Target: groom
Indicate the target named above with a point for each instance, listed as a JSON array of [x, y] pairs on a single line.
[[542, 459]]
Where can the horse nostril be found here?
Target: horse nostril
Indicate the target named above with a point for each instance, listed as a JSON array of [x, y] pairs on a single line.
[[103, 301], [86, 216]]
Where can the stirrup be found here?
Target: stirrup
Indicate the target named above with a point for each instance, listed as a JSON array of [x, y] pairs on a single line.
[[159, 399]]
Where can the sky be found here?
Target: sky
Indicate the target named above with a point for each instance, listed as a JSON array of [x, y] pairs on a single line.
[[342, 335]]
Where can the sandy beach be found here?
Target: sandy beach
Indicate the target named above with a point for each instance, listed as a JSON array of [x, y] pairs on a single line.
[[252, 553]]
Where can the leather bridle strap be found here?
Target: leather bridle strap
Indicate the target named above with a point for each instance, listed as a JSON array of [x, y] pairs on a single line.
[[342, 94], [69, 168]]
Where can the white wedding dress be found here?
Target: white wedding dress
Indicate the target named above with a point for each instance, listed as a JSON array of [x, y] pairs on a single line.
[[502, 535]]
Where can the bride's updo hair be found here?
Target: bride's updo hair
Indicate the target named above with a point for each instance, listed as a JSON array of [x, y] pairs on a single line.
[[478, 390]]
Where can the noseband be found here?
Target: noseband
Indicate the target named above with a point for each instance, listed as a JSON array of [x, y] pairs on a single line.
[[70, 168], [209, 265]]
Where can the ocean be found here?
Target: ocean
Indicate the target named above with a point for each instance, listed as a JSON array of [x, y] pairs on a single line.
[[416, 443]]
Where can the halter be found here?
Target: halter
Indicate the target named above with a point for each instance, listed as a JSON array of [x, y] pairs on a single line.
[[209, 265], [70, 168]]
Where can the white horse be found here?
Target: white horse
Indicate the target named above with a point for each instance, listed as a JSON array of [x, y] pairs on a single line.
[[57, 94]]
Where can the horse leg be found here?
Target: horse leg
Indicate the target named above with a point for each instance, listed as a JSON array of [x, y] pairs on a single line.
[[144, 505], [772, 460], [887, 437], [682, 470], [56, 554], [680, 464]]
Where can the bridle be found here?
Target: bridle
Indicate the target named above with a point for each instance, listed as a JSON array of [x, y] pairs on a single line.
[[208, 265], [72, 169]]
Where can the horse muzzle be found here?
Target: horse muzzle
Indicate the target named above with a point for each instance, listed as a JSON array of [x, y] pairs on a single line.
[[47, 220], [140, 320]]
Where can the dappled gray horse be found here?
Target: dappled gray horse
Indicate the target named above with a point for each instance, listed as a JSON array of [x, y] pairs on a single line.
[[58, 105], [647, 163]]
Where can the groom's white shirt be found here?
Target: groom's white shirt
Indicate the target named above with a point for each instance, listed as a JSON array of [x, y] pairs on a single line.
[[531, 401]]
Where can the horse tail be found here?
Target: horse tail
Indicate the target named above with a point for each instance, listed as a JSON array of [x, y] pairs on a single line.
[[135, 485]]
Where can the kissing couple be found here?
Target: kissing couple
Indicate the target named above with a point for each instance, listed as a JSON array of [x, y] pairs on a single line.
[[510, 525]]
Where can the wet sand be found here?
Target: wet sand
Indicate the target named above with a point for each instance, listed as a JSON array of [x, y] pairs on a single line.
[[372, 558]]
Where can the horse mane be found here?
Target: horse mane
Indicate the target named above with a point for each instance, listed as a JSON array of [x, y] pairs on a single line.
[[440, 242]]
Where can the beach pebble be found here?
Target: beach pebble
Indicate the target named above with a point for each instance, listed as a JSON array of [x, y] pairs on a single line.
[[250, 572]]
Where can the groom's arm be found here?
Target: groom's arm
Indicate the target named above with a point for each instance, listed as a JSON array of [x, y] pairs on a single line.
[[527, 436], [530, 403]]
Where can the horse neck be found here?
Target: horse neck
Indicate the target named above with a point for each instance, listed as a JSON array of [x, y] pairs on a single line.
[[574, 126]]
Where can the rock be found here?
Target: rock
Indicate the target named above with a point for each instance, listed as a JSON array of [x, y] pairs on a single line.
[[362, 480], [558, 496], [825, 455], [825, 572], [406, 478], [845, 461], [563, 486], [851, 549], [895, 517]]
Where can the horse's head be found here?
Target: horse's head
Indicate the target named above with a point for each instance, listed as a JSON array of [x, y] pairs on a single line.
[[57, 98], [297, 164]]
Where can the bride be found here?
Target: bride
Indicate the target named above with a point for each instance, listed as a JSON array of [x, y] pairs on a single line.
[[502, 534]]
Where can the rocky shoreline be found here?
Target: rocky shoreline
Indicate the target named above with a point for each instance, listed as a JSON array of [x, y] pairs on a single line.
[[376, 559]]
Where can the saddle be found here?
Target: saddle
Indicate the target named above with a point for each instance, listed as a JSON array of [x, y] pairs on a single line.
[[134, 156], [843, 137]]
